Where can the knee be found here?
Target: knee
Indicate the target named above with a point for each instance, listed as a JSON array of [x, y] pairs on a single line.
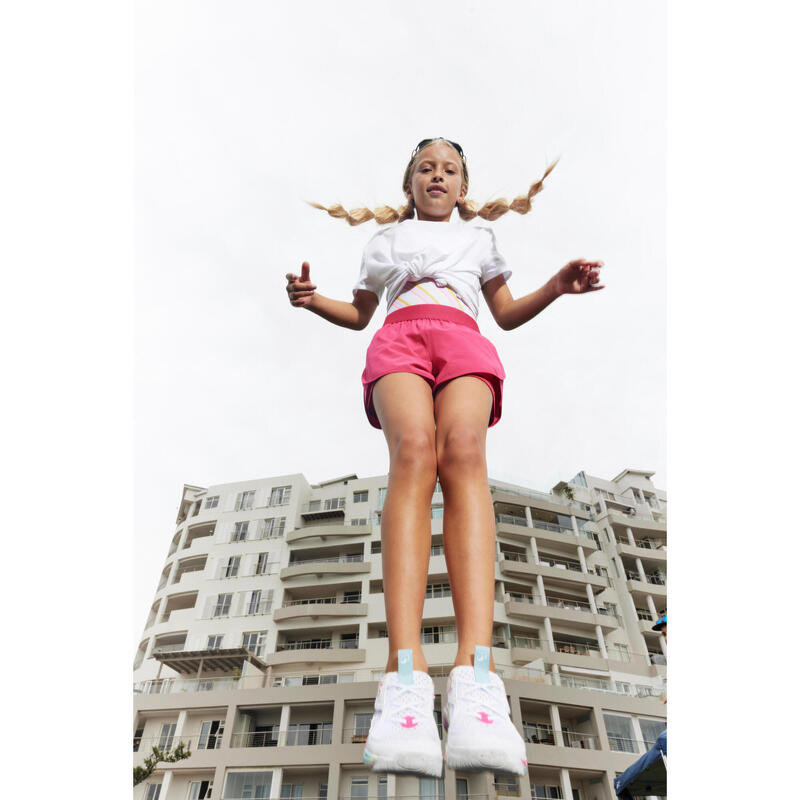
[[414, 452], [460, 450]]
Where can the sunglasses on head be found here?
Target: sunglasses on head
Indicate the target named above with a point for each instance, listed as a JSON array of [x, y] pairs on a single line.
[[425, 142]]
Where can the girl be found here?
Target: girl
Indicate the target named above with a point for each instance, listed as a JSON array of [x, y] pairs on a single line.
[[433, 384]]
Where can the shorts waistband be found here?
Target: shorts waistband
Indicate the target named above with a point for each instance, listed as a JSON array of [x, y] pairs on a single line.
[[432, 311]]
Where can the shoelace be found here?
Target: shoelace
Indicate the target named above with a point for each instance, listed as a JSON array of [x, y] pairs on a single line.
[[408, 698], [486, 695]]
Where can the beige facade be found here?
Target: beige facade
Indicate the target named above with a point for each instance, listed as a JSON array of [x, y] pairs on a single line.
[[267, 636]]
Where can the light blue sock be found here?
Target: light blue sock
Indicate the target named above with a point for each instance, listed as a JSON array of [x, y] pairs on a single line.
[[405, 667], [482, 656]]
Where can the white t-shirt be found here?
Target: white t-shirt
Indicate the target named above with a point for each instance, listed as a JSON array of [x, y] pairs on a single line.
[[460, 256]]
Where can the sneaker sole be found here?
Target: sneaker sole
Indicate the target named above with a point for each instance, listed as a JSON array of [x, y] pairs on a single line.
[[484, 758], [422, 763]]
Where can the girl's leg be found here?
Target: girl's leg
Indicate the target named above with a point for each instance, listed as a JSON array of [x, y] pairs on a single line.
[[404, 405], [462, 410]]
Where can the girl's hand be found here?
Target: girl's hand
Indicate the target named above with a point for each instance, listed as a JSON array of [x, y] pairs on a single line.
[[299, 288], [579, 276]]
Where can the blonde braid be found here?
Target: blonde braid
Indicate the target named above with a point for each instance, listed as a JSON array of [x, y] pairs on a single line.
[[468, 209]]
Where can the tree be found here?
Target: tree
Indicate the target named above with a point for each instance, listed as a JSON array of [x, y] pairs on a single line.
[[158, 755]]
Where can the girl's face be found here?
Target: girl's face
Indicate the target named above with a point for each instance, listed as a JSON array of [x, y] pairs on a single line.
[[436, 182]]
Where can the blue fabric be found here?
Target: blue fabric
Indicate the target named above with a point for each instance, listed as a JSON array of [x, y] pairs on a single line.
[[405, 667], [640, 765], [481, 664]]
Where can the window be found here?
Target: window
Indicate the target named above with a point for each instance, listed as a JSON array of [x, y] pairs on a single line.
[[360, 497], [248, 784], [438, 488], [348, 641], [381, 497], [437, 590], [542, 791], [262, 565], [222, 607], [437, 549], [309, 733], [167, 735], [280, 496], [352, 597], [436, 634], [383, 785], [254, 641], [153, 791], [358, 788], [620, 733], [271, 528], [323, 791], [258, 604], [359, 521], [211, 735], [214, 642], [651, 730], [137, 739], [240, 531], [326, 679], [507, 785], [462, 789], [431, 788], [231, 569], [291, 791], [437, 512], [244, 501], [212, 502], [200, 790], [375, 547], [362, 723]]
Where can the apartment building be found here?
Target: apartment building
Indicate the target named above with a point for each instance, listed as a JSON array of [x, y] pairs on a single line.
[[267, 636]]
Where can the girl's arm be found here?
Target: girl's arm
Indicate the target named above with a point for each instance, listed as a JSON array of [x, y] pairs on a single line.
[[354, 315], [577, 277]]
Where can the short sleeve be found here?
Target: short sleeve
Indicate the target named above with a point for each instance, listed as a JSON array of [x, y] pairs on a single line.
[[375, 265], [492, 264]]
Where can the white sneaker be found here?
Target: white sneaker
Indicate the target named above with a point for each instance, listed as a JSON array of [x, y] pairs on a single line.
[[477, 717], [403, 736]]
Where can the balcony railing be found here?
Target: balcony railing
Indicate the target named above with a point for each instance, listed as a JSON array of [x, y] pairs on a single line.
[[650, 577], [519, 557], [331, 504], [314, 644], [198, 741], [577, 648], [288, 738], [175, 685], [541, 733], [355, 558], [527, 642], [310, 601], [508, 519]]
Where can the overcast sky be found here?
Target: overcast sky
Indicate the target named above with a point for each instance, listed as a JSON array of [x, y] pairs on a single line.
[[246, 110]]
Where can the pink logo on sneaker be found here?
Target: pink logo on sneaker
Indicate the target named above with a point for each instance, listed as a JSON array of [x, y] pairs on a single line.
[[409, 722], [484, 717]]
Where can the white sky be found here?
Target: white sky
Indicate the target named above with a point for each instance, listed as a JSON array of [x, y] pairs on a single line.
[[245, 110]]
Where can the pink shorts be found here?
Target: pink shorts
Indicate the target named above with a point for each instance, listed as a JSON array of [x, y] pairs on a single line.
[[438, 343]]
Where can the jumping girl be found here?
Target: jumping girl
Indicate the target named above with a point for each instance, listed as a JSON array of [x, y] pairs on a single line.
[[433, 384]]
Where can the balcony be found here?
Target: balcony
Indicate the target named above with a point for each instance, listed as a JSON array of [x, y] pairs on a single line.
[[314, 651], [565, 610], [647, 549], [516, 527], [655, 583], [335, 565], [326, 531], [314, 608], [301, 735], [514, 564], [330, 509]]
